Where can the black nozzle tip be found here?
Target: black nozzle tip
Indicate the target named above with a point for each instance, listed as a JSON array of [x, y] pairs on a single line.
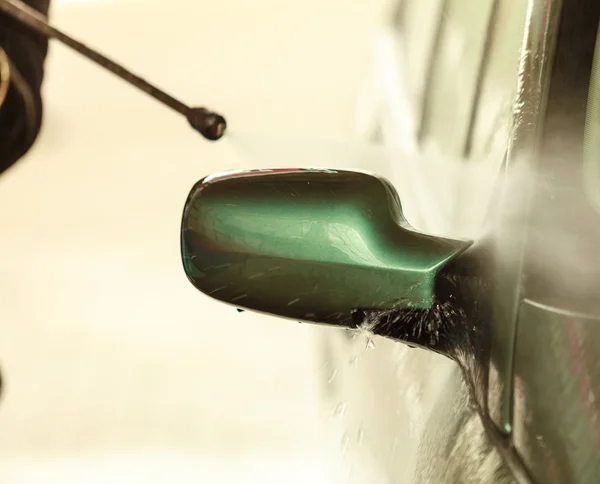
[[209, 124]]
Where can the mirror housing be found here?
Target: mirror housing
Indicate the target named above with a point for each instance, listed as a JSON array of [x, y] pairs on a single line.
[[313, 245]]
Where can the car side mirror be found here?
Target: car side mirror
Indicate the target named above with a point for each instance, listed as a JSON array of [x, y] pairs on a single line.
[[314, 245]]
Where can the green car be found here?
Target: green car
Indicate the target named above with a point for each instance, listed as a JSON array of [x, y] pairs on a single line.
[[509, 89]]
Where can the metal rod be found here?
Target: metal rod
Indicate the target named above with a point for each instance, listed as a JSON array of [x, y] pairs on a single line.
[[211, 125]]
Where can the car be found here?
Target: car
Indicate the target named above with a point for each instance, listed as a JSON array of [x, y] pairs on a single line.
[[501, 146]]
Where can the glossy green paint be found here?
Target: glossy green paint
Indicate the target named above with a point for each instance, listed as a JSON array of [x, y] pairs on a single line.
[[312, 245]]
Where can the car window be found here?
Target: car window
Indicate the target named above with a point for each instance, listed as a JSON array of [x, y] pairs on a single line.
[[419, 22], [493, 109], [455, 74], [591, 167], [462, 59]]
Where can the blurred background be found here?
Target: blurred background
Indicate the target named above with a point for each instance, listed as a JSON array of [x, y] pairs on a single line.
[[115, 368]]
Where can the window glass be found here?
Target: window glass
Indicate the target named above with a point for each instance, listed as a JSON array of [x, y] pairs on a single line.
[[591, 167]]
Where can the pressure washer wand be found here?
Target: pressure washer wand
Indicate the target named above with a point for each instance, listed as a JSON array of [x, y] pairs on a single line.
[[208, 123]]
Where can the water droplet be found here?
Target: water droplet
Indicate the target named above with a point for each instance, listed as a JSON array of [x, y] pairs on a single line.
[[332, 376], [345, 443], [360, 436], [365, 329], [370, 344], [340, 409], [351, 472]]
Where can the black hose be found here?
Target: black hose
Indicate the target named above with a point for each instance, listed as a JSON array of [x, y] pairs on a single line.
[[21, 110]]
